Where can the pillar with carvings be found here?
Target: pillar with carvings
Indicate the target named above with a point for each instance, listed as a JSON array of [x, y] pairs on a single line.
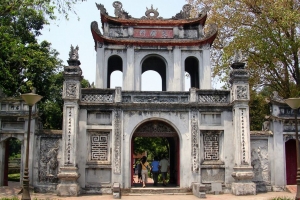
[[68, 174], [242, 171]]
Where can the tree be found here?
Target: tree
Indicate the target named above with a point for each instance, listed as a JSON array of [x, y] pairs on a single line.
[[52, 107], [27, 64], [266, 32], [258, 109]]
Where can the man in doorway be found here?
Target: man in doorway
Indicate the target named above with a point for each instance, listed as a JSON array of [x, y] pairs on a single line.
[[155, 170], [164, 167]]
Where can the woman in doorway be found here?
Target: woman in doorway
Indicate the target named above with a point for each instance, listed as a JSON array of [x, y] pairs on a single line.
[[145, 167]]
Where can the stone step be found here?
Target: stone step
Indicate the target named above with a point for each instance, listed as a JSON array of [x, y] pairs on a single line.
[[156, 190]]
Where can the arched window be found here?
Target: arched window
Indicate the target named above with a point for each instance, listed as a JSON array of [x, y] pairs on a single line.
[[191, 65], [157, 64], [115, 63]]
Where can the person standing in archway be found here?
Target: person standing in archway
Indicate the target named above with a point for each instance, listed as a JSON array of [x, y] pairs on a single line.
[[155, 169], [145, 167], [164, 167]]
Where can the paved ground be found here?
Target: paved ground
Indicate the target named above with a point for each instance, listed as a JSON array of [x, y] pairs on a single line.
[[12, 191]]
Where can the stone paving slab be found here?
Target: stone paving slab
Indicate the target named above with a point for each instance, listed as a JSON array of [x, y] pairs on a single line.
[[262, 196], [12, 191]]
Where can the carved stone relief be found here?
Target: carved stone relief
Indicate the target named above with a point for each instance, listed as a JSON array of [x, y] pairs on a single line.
[[242, 92], [259, 160], [48, 164], [289, 126], [155, 127], [71, 89], [287, 137], [117, 142], [195, 140], [154, 99], [191, 34], [118, 32]]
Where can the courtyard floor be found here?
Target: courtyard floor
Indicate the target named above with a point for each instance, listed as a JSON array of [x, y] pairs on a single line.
[[13, 189]]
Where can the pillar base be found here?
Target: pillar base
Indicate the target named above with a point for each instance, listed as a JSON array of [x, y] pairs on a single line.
[[68, 186], [243, 188]]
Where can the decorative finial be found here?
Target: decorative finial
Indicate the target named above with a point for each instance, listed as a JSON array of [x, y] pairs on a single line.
[[73, 55], [151, 13], [184, 13], [237, 56]]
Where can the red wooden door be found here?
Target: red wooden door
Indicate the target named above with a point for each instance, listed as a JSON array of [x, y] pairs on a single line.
[[291, 162], [131, 163], [178, 161]]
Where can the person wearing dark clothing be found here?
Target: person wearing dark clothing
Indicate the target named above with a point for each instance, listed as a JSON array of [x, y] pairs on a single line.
[[139, 169], [155, 170]]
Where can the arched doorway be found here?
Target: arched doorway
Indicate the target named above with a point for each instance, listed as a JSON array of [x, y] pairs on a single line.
[[11, 162], [291, 162], [161, 129]]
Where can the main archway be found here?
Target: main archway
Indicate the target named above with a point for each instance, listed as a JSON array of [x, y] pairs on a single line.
[[161, 129]]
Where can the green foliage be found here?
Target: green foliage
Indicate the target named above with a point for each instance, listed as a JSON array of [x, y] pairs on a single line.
[[26, 64], [14, 148], [14, 177], [281, 198], [266, 32], [9, 198], [154, 146], [258, 109]]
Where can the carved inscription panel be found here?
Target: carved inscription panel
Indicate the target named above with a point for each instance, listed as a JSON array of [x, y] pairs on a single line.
[[211, 146], [153, 33]]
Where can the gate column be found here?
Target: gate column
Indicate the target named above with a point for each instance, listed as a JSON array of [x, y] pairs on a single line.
[[71, 94], [243, 171]]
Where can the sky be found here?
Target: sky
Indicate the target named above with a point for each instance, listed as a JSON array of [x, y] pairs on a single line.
[[64, 33]]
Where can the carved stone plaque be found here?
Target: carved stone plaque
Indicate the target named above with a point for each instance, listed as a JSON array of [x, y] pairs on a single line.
[[153, 33]]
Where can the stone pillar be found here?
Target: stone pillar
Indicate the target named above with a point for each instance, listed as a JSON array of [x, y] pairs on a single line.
[[71, 95], [101, 73], [205, 69], [175, 82], [129, 75], [243, 171]]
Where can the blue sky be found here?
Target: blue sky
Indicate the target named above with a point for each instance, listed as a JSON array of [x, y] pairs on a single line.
[[63, 32]]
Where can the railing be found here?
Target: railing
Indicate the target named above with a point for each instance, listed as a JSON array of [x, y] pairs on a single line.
[[213, 96], [97, 95], [201, 96]]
